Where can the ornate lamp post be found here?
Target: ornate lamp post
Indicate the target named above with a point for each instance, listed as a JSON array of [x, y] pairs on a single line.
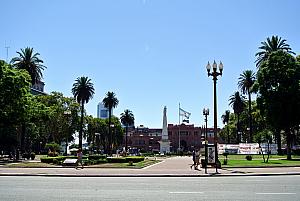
[[206, 113], [215, 75], [67, 114]]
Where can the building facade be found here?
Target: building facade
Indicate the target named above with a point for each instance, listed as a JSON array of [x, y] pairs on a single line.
[[102, 112], [147, 139]]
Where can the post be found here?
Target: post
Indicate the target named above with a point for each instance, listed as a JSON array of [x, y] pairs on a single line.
[[215, 75], [215, 123]]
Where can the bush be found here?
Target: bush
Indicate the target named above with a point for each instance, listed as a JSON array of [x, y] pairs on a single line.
[[116, 160], [97, 157], [249, 157], [32, 155], [135, 159], [54, 147]]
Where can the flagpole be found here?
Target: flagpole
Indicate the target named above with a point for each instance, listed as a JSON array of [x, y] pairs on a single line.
[[179, 128]]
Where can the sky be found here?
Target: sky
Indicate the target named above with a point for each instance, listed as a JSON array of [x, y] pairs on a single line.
[[151, 53]]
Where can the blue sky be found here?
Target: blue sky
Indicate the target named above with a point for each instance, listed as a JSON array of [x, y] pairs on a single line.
[[151, 53]]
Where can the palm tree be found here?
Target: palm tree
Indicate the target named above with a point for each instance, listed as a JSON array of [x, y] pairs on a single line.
[[83, 90], [127, 119], [225, 118], [110, 102], [269, 46], [30, 62], [237, 102], [246, 81]]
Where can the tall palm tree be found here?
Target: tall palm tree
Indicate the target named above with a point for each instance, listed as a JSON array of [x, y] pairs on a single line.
[[127, 119], [246, 81], [238, 104], [225, 118], [110, 102], [29, 61], [83, 90], [269, 46]]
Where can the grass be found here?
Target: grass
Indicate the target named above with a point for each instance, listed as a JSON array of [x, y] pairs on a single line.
[[23, 164], [260, 163], [257, 161], [141, 164], [29, 165]]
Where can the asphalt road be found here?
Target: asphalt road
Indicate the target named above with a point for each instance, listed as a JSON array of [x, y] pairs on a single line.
[[150, 188]]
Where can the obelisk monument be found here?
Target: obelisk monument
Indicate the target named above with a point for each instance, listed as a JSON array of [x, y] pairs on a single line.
[[165, 142]]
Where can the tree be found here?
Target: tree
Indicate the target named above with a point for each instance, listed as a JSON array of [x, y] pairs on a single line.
[[269, 46], [279, 93], [14, 101], [246, 81], [225, 118], [83, 90], [29, 61], [110, 102], [127, 119], [238, 104]]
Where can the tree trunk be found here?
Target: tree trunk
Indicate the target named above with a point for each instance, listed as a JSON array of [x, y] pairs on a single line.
[[109, 133], [288, 144], [81, 125], [250, 118], [228, 137], [126, 138], [278, 140], [238, 128]]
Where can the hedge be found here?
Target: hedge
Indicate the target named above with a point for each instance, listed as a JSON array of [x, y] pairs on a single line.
[[97, 157], [134, 159]]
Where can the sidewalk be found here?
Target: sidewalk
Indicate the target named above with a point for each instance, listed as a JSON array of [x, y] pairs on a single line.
[[170, 167]]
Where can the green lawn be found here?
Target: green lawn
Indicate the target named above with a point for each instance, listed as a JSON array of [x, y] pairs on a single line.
[[260, 163], [254, 157]]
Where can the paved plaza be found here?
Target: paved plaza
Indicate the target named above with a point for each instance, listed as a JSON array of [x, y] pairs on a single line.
[[174, 166]]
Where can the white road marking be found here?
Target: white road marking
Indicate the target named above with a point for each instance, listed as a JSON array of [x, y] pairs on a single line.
[[185, 192], [153, 165], [256, 180], [275, 193]]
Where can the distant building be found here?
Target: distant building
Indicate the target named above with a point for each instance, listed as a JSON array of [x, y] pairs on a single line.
[[38, 88], [102, 112], [147, 139]]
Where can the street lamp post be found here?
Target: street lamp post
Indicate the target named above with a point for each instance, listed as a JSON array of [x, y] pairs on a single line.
[[206, 113], [67, 114], [215, 75]]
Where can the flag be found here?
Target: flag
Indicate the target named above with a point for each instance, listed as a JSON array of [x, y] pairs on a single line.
[[184, 113]]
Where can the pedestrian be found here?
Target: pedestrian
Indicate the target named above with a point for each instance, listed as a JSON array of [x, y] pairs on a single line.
[[197, 159], [79, 158], [194, 159]]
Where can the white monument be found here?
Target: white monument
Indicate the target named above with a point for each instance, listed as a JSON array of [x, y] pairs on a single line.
[[165, 142]]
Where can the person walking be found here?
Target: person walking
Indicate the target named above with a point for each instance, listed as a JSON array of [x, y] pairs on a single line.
[[197, 159], [194, 159], [79, 158]]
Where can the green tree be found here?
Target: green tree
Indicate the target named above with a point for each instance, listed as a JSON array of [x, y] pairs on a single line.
[[14, 97], [110, 102], [238, 104], [225, 118], [127, 119], [271, 45], [83, 90], [246, 81], [29, 61], [279, 93]]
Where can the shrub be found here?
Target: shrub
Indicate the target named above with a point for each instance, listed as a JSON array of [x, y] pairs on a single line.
[[97, 157], [32, 155], [54, 147], [249, 157], [116, 160], [135, 159]]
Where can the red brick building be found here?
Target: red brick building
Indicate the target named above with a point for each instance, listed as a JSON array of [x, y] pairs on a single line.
[[147, 139]]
